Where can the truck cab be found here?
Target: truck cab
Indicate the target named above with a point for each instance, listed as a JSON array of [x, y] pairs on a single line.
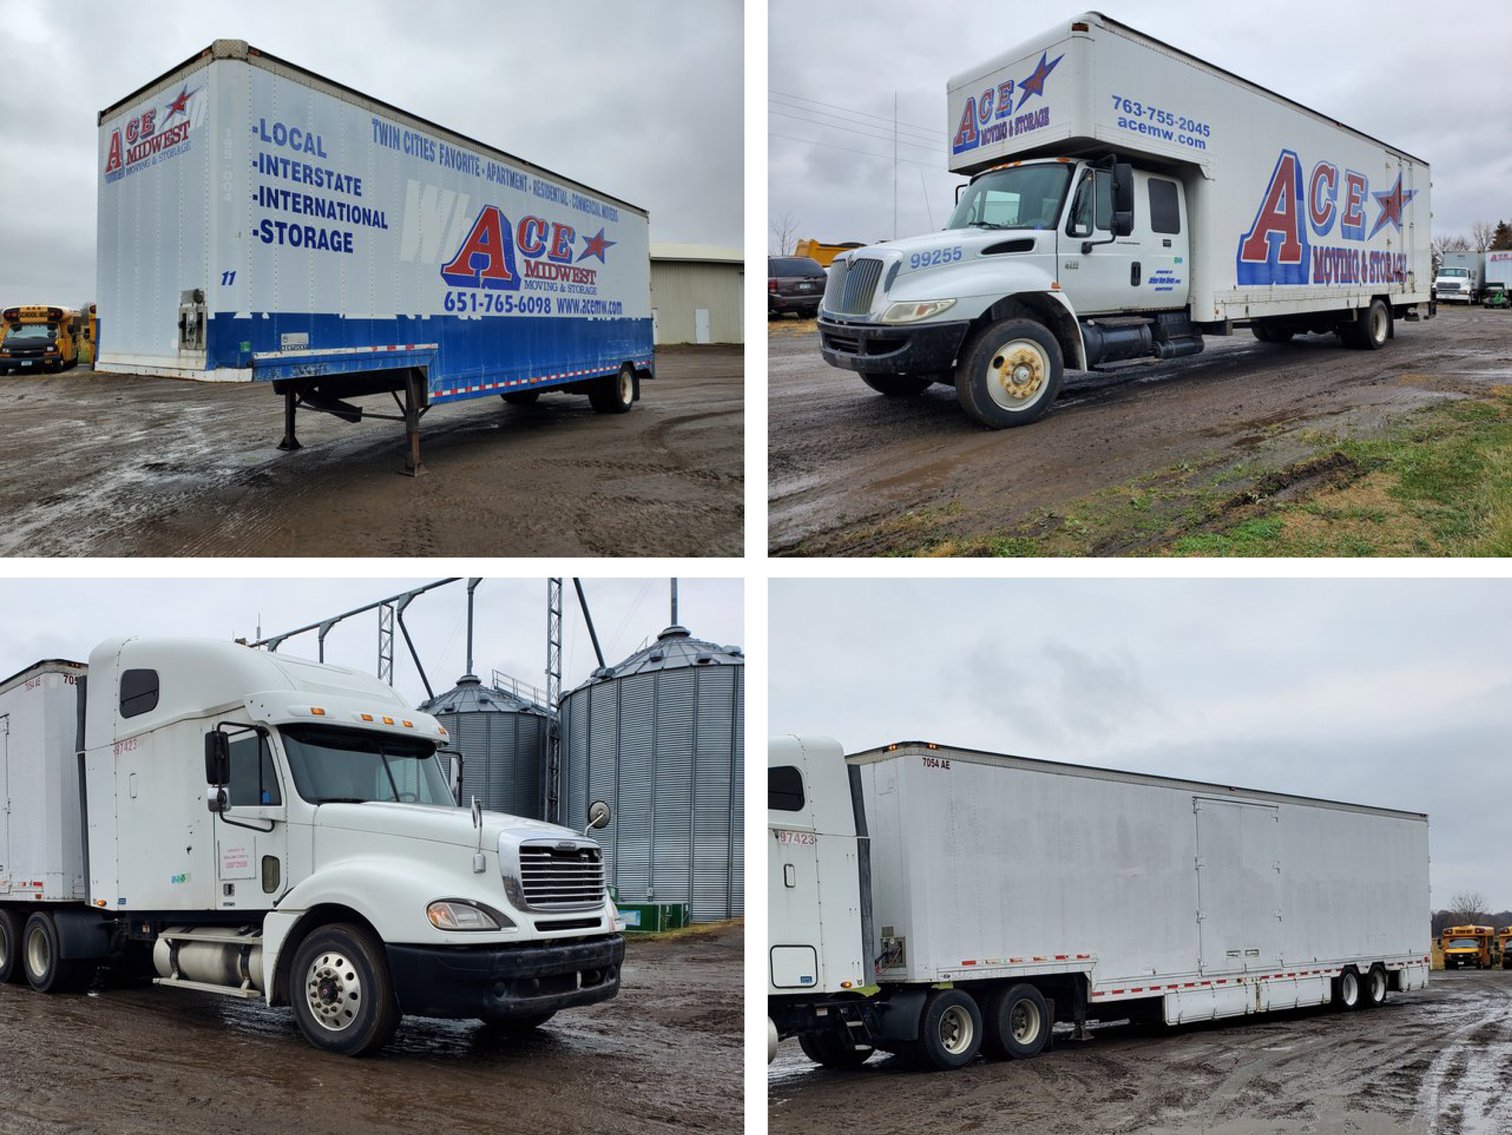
[[1454, 285]]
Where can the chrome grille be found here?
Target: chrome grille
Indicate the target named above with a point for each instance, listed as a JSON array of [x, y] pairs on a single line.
[[561, 876], [852, 284]]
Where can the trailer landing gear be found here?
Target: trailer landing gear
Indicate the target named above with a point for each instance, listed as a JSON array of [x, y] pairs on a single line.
[[325, 399]]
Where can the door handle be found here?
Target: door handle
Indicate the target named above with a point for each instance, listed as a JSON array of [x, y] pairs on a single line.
[[1134, 274]]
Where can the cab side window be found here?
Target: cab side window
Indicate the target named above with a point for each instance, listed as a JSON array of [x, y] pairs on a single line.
[[785, 789], [254, 781], [1165, 212], [1092, 209]]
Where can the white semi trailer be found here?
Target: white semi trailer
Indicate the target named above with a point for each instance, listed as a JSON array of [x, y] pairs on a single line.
[[1126, 200], [274, 829], [941, 902]]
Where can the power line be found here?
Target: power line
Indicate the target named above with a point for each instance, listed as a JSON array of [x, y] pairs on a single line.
[[849, 150], [863, 133], [933, 131], [850, 119]]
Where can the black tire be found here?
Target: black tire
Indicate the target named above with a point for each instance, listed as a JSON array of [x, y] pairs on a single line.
[[1347, 990], [41, 959], [1016, 1023], [1268, 334], [897, 385], [342, 995], [833, 1050], [517, 1026], [950, 1031], [1010, 374], [1374, 987], [522, 397], [1372, 327], [10, 948], [614, 394]]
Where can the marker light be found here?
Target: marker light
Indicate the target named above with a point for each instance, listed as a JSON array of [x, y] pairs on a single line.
[[317, 711]]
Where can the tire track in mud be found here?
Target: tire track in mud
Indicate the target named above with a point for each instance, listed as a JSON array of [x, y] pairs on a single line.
[[1464, 1090]]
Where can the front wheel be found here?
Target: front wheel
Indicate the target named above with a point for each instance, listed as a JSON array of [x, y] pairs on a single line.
[[833, 1050], [950, 1031], [1009, 374], [1372, 327], [342, 995], [615, 394], [897, 385]]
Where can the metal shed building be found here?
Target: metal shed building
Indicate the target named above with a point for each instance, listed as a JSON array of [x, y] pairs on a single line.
[[697, 294], [660, 737], [502, 739]]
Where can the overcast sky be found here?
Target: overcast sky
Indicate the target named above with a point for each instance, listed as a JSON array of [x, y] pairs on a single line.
[[1431, 81], [67, 619], [642, 101], [1391, 693]]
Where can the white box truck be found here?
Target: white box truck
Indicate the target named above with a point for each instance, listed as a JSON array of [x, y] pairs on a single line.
[[258, 222], [941, 902], [249, 824], [1498, 271], [1127, 199], [1461, 277]]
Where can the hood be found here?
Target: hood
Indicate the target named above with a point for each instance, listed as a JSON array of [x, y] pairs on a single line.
[[433, 822]]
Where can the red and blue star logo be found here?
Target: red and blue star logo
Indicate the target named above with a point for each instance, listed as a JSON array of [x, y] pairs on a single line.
[[596, 246], [1035, 83], [1392, 202], [180, 103]]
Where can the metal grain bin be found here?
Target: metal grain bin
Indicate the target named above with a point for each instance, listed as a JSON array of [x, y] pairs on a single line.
[[502, 739], [660, 737]]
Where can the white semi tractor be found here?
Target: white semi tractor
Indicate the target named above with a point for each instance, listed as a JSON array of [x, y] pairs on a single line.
[[274, 829], [1127, 199], [941, 902]]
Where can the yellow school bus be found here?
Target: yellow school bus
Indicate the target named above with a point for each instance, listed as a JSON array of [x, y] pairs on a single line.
[[1469, 946], [39, 338]]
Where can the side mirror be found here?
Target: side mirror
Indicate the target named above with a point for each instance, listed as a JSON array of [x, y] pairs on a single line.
[[217, 758], [215, 799], [1123, 198], [599, 816]]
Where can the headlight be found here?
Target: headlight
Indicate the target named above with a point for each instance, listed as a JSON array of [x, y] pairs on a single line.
[[913, 312], [455, 914]]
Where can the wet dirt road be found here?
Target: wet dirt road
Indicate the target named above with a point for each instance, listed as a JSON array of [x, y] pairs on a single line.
[[1434, 1061], [844, 460], [663, 1056], [107, 465]]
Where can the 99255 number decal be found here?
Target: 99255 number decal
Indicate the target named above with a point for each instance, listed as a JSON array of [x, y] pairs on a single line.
[[933, 257]]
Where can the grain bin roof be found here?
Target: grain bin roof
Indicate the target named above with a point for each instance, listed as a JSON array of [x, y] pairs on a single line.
[[470, 695], [674, 649]]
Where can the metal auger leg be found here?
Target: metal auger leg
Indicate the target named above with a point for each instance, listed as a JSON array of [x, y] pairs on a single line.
[[412, 411], [289, 440]]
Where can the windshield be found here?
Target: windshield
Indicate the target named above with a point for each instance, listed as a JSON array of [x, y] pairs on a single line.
[[1464, 272], [1024, 197], [1463, 944], [40, 332], [352, 766]]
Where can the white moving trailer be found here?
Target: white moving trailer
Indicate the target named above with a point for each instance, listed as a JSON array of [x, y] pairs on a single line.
[[1128, 199], [261, 827], [941, 902]]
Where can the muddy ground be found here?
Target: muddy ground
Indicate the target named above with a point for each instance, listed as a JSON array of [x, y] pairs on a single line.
[[844, 460], [663, 1056], [1437, 1060], [130, 465]]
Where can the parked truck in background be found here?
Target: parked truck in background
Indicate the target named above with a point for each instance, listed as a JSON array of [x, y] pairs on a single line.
[[824, 253], [37, 337], [1496, 282], [252, 825], [1461, 277], [1472, 947], [1127, 199], [332, 245], [941, 902]]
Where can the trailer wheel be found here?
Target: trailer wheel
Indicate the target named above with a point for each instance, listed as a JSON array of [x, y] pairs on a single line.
[[1009, 374], [46, 969], [1017, 1023], [1373, 992], [1372, 327], [897, 385], [1346, 990], [615, 394], [522, 397], [342, 995], [833, 1050], [950, 1031], [10, 948]]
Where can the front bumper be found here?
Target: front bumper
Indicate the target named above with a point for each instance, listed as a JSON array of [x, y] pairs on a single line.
[[497, 982], [875, 348]]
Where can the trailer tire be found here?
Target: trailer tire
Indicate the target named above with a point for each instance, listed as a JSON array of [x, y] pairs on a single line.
[[47, 971], [950, 1031], [1372, 327], [1017, 1023], [10, 948], [614, 394], [342, 995], [833, 1050], [897, 385], [1346, 990], [1009, 374], [522, 397], [1373, 990]]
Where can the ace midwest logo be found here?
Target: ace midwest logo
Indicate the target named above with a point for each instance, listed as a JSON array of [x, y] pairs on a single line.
[[155, 134], [494, 251]]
